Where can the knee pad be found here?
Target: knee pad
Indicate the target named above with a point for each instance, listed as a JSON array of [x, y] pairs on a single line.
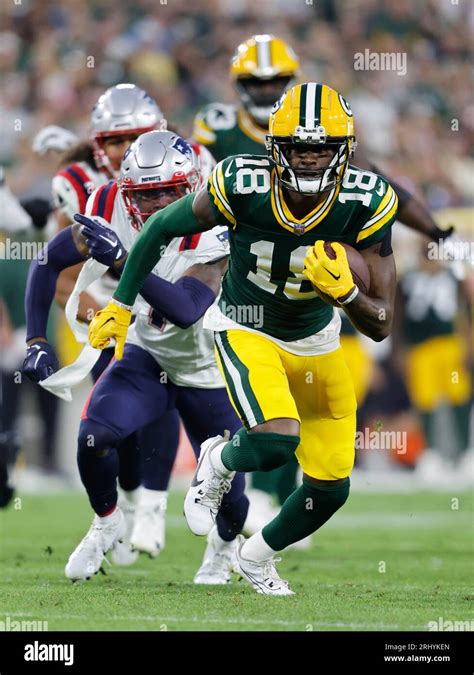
[[95, 438], [272, 450]]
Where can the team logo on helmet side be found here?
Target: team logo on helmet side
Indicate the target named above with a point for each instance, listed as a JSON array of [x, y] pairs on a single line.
[[183, 147], [277, 105], [345, 105]]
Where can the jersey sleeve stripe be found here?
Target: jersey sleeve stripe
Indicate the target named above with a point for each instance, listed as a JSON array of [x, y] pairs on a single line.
[[385, 217], [104, 201], [221, 186], [385, 204], [384, 207], [190, 242], [81, 173], [202, 133], [95, 205], [79, 188], [220, 199], [109, 206]]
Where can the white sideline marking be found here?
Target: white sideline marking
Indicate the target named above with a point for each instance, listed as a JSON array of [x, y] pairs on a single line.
[[240, 621]]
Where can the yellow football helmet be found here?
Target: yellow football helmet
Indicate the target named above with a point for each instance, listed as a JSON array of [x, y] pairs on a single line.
[[311, 114], [262, 68]]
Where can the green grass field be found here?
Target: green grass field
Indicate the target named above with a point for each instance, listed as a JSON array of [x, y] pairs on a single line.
[[424, 544]]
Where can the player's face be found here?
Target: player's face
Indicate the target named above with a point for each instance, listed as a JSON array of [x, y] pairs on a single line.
[[265, 92], [150, 201], [115, 147], [309, 160]]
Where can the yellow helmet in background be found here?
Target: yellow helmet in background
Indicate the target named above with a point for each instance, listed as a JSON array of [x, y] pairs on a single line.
[[311, 114], [262, 68]]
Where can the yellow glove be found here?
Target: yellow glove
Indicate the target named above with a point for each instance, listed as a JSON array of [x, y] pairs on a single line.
[[111, 322], [332, 277]]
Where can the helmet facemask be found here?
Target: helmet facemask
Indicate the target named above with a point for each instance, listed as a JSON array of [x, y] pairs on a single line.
[[310, 180], [142, 201]]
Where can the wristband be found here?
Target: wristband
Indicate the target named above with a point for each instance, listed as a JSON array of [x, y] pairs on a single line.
[[352, 296]]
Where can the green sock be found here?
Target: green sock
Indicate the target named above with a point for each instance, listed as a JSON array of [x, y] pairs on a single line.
[[258, 451], [279, 483], [428, 423], [266, 481], [287, 480], [304, 512], [462, 416]]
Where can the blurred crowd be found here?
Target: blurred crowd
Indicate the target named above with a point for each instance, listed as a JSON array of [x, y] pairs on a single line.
[[57, 57], [417, 126]]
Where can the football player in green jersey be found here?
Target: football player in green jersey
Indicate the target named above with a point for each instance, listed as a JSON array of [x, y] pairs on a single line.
[[277, 341], [262, 68]]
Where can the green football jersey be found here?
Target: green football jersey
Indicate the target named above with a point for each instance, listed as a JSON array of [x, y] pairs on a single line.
[[268, 243], [227, 130], [431, 304]]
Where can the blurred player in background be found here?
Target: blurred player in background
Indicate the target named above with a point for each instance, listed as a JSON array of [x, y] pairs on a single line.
[[20, 223], [433, 317], [120, 115]]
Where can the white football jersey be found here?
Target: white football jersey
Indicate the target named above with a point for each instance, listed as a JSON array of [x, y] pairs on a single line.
[[186, 355], [73, 186]]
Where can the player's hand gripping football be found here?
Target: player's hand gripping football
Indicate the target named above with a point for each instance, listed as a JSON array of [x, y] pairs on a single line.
[[331, 276], [111, 322]]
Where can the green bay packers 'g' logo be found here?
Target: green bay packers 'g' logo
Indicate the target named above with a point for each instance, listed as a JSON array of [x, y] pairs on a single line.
[[345, 106], [277, 104]]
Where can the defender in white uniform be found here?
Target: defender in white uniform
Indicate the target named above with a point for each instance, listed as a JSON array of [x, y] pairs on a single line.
[[169, 358]]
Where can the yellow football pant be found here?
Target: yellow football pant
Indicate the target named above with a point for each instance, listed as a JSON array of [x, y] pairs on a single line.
[[265, 382], [360, 364], [436, 373]]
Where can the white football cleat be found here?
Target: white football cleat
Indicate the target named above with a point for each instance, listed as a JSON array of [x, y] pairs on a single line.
[[261, 511], [148, 534], [122, 553], [87, 558], [204, 497], [261, 575], [216, 565]]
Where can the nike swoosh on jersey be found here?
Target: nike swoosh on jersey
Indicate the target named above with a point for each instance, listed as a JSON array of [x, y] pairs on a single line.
[[226, 172], [381, 189]]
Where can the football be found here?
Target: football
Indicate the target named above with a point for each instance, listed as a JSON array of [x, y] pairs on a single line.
[[358, 266]]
